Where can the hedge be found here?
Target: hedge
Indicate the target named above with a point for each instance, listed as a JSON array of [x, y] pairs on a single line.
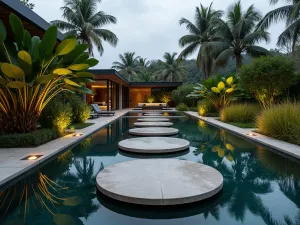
[[32, 139]]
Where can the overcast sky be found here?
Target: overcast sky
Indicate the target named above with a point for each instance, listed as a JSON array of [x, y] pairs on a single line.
[[150, 27]]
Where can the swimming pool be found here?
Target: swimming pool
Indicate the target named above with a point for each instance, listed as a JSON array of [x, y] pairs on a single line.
[[260, 186]]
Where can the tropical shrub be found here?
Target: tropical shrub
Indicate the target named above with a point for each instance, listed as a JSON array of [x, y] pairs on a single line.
[[34, 71], [281, 122], [193, 109], [267, 77], [57, 115], [182, 107], [219, 90], [205, 108], [80, 111], [32, 139], [180, 94], [240, 113]]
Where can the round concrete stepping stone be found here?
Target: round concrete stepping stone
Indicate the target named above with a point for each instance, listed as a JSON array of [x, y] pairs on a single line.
[[153, 124], [152, 114], [159, 182], [154, 120], [153, 131], [154, 145]]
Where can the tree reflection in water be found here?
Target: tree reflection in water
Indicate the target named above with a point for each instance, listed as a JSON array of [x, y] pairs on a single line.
[[245, 179]]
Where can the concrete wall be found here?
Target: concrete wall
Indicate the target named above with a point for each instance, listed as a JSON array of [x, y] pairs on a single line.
[[138, 95]]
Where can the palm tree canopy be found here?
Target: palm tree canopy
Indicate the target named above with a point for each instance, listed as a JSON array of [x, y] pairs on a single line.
[[200, 32], [128, 64], [288, 13], [83, 20], [144, 76], [238, 35], [143, 62], [171, 70]]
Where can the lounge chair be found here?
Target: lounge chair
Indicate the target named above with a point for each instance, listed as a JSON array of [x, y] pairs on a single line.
[[98, 111], [94, 115]]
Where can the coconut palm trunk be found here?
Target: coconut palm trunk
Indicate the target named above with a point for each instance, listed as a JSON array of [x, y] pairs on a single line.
[[239, 62]]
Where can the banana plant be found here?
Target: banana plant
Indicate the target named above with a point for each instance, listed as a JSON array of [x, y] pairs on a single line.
[[33, 71], [219, 90]]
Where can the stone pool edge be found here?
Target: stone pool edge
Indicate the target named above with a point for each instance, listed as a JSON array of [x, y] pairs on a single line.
[[12, 167], [281, 146]]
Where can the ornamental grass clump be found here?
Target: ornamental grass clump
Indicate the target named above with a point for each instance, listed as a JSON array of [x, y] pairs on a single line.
[[281, 122], [240, 113]]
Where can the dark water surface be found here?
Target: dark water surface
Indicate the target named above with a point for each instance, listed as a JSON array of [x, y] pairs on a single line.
[[260, 186]]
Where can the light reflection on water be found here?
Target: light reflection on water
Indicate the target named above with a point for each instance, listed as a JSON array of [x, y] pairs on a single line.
[[260, 186]]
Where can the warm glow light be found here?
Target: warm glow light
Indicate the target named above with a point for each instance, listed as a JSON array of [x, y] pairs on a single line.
[[77, 135], [252, 134], [32, 157]]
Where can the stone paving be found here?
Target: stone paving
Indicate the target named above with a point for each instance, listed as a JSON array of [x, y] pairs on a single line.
[[154, 145], [154, 131], [159, 181], [153, 124]]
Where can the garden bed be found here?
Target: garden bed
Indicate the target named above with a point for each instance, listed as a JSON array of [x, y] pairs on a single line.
[[32, 139]]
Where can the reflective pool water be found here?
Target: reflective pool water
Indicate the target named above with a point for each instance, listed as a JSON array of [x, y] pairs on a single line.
[[260, 186]]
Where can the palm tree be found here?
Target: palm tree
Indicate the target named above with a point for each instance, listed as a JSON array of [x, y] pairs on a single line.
[[144, 76], [84, 21], [238, 35], [128, 66], [290, 14], [200, 33], [171, 69], [143, 62]]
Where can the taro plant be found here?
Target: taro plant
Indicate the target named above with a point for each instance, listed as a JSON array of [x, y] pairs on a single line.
[[34, 71], [219, 90]]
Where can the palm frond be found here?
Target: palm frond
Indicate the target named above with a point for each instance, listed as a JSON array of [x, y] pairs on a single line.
[[62, 25], [100, 19], [189, 26], [224, 57], [255, 51], [108, 36], [275, 16]]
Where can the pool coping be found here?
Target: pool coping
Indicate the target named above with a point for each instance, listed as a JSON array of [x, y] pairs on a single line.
[[12, 167], [281, 146]]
